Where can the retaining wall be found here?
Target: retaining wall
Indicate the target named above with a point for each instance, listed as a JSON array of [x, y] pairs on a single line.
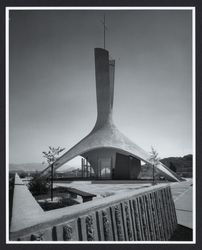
[[141, 215]]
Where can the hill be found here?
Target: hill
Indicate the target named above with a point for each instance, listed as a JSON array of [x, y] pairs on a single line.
[[181, 165], [27, 167], [32, 167]]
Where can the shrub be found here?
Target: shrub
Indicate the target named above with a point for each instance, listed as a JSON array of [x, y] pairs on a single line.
[[39, 185]]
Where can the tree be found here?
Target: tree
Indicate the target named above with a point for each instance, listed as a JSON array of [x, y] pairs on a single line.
[[39, 183], [154, 159], [51, 156]]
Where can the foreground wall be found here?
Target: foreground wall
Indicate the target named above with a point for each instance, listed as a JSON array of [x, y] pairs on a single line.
[[140, 215]]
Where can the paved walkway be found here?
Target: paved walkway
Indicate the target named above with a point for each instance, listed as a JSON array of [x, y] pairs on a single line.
[[183, 197], [102, 190]]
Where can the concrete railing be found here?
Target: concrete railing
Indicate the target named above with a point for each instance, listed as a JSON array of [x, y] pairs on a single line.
[[141, 215]]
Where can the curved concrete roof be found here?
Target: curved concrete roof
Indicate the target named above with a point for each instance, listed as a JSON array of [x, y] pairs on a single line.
[[105, 134], [110, 137]]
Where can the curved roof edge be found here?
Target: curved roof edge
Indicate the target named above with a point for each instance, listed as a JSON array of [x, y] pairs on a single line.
[[111, 137]]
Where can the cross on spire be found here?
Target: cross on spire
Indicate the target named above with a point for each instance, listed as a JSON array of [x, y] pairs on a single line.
[[104, 28]]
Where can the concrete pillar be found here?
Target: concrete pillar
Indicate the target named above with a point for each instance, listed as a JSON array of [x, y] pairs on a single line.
[[104, 72]]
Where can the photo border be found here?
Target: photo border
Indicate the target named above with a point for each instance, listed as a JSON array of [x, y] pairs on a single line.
[[194, 102]]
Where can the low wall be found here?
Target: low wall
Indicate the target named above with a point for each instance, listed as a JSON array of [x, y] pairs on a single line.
[[141, 215]]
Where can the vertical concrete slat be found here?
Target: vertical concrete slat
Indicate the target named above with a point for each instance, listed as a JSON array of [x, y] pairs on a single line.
[[140, 219], [67, 231], [156, 195], [170, 217], [137, 219], [167, 210], [82, 228], [156, 218], [119, 222], [100, 225], [164, 211], [123, 216], [128, 221], [146, 228], [173, 210], [110, 238], [145, 216], [105, 225], [146, 206], [155, 215], [163, 215], [134, 225], [169, 222], [114, 228], [150, 216], [89, 229]]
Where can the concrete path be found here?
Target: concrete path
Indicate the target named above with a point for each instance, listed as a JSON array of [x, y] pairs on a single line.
[[183, 198], [102, 190]]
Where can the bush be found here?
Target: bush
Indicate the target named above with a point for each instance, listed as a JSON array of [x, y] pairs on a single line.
[[22, 174], [64, 202], [39, 185]]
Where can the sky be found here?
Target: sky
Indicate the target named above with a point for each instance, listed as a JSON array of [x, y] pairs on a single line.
[[52, 95]]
